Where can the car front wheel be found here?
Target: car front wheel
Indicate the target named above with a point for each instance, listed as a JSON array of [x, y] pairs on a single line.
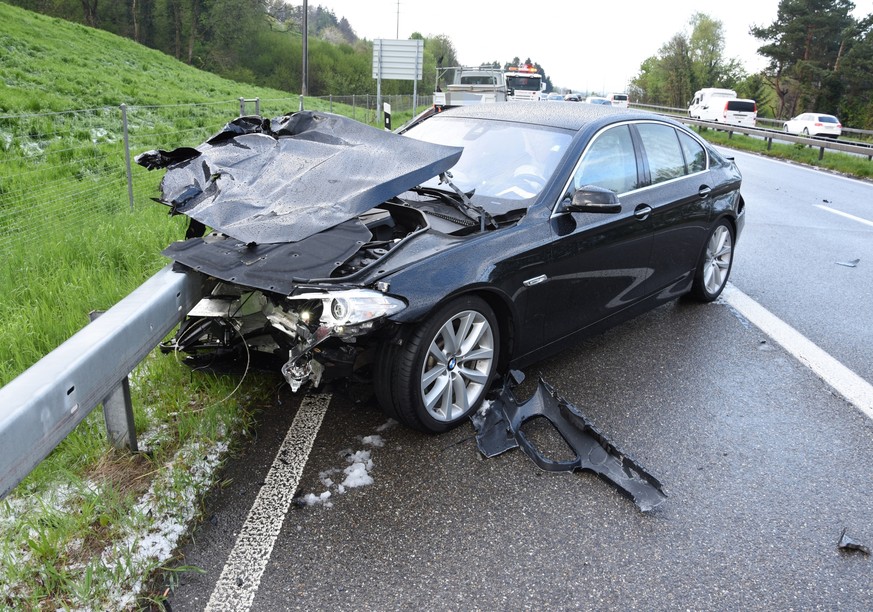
[[440, 375], [715, 263]]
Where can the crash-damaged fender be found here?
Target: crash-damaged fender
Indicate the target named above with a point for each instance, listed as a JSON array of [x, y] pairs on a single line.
[[499, 429]]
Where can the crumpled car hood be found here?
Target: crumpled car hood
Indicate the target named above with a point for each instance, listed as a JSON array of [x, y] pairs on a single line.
[[265, 181]]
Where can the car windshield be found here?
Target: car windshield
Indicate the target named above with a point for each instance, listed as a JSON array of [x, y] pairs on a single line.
[[527, 83], [507, 161]]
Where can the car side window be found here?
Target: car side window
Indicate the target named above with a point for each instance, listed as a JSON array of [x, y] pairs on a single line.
[[695, 155], [663, 151], [609, 162]]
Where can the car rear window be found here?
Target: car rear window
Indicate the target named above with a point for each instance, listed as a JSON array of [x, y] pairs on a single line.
[[741, 106], [620, 97], [827, 119]]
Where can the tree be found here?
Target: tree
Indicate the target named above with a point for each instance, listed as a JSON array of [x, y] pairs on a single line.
[[804, 45], [677, 71], [686, 63]]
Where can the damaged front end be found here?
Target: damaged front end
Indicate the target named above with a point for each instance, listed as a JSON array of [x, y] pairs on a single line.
[[295, 220], [307, 336]]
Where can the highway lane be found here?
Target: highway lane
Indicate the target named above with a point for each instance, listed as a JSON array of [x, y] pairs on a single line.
[[763, 464], [790, 254]]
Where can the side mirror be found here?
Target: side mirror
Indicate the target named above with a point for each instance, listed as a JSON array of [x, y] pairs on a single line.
[[593, 199]]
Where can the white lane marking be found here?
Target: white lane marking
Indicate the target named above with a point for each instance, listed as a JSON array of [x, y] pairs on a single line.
[[846, 215], [238, 584], [843, 380]]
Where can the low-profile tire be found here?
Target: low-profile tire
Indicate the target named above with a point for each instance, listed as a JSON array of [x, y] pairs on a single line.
[[442, 373], [806, 132], [714, 267]]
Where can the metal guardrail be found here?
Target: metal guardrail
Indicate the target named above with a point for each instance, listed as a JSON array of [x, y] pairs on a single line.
[[822, 144], [44, 404], [770, 135]]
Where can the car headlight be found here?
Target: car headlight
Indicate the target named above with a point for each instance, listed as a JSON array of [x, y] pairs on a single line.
[[352, 307]]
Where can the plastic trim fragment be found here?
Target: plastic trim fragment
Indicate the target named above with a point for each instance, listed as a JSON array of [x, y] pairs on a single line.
[[499, 429]]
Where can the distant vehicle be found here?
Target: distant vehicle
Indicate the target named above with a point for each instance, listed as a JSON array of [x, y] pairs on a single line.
[[739, 111], [573, 97], [815, 124], [618, 99], [469, 85], [708, 103], [555, 97], [524, 83], [598, 100]]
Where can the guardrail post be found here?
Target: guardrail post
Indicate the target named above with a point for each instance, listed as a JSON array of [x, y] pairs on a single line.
[[821, 153], [118, 412], [242, 107], [258, 107], [123, 108]]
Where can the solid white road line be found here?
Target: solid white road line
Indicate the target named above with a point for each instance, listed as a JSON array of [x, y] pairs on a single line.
[[846, 215], [843, 380], [238, 584]]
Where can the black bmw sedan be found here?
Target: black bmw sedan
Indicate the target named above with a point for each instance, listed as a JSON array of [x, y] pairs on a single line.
[[433, 260]]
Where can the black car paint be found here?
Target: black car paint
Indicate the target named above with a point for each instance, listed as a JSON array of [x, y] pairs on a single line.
[[599, 268], [589, 258]]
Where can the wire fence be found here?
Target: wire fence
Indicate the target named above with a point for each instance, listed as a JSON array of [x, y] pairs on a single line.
[[65, 170]]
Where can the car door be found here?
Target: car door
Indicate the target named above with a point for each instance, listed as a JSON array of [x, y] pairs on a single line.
[[597, 263], [678, 190]]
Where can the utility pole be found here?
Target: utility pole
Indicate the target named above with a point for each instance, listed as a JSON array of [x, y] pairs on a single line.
[[397, 35], [304, 89]]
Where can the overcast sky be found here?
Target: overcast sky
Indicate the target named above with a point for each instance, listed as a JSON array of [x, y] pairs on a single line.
[[595, 46]]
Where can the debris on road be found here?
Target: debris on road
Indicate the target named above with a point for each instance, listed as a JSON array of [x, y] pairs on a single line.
[[499, 429], [849, 264], [848, 543]]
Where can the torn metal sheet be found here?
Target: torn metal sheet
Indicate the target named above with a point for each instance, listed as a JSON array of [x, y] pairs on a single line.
[[848, 543], [500, 429], [268, 181]]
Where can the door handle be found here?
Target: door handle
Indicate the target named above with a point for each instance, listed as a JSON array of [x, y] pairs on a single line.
[[704, 192], [536, 280], [642, 212]]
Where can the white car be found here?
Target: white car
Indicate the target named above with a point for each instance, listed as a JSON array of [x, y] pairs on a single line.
[[814, 124], [598, 100]]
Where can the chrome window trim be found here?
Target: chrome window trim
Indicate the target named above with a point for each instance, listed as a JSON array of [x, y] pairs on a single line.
[[555, 208]]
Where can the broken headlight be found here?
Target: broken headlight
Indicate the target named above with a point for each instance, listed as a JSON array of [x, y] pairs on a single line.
[[352, 311]]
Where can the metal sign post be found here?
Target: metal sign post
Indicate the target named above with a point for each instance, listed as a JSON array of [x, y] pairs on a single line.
[[396, 59]]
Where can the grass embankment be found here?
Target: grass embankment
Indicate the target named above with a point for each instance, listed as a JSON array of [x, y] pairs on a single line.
[[73, 534], [835, 161]]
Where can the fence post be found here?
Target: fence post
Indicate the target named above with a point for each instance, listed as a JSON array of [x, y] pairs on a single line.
[[258, 107], [127, 155], [118, 412], [242, 107], [331, 102]]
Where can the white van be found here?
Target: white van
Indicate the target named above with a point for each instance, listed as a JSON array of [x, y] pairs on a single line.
[[739, 111], [708, 103], [618, 99]]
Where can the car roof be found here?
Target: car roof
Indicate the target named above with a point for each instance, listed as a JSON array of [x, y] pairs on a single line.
[[568, 117]]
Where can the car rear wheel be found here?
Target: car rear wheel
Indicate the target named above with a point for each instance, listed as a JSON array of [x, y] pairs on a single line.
[[715, 263], [806, 131], [440, 375]]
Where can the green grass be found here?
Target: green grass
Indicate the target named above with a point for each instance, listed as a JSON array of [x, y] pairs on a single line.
[[835, 161], [72, 243]]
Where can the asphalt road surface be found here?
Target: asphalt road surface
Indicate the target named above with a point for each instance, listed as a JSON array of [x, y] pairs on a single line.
[[763, 460]]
